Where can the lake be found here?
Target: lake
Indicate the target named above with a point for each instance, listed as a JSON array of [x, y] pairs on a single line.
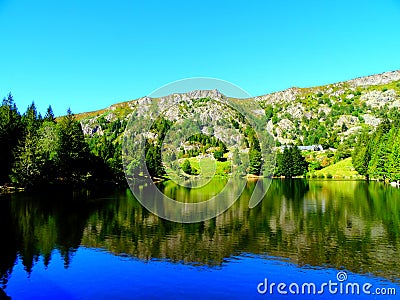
[[92, 245]]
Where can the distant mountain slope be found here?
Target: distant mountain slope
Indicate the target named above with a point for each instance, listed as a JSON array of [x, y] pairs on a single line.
[[329, 115]]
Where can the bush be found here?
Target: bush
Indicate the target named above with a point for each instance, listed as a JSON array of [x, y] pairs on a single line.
[[187, 167], [218, 154]]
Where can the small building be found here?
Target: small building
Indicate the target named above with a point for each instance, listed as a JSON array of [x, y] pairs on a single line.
[[306, 148], [311, 148]]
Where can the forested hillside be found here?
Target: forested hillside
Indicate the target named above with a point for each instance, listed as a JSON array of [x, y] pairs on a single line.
[[357, 118], [36, 151]]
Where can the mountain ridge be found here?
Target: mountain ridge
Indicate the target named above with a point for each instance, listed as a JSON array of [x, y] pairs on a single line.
[[328, 114], [285, 95]]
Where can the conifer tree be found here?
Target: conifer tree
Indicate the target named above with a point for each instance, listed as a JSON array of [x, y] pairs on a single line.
[[73, 152], [49, 116], [361, 155], [10, 132]]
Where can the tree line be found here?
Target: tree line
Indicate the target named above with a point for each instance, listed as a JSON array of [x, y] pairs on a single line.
[[37, 151], [377, 155]]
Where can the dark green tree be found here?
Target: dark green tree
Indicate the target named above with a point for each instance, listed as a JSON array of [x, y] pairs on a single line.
[[291, 163], [361, 155], [255, 160], [154, 160], [27, 166], [187, 167], [300, 165], [394, 160], [73, 153], [11, 130], [49, 116], [286, 163], [218, 154]]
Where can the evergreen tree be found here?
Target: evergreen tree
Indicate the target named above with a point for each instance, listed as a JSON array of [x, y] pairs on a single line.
[[361, 155], [287, 163], [27, 167], [48, 147], [49, 116], [154, 160], [218, 154], [11, 131], [187, 167], [73, 152], [238, 163], [30, 120], [291, 163], [394, 160], [255, 157], [380, 149], [300, 165], [255, 160]]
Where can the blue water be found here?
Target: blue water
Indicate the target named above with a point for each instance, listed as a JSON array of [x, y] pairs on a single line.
[[110, 247], [96, 274]]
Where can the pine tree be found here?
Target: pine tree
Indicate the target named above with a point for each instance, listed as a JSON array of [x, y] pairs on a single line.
[[255, 156], [287, 163], [394, 160], [361, 155], [380, 150], [73, 152], [300, 165], [49, 116], [11, 131], [30, 119], [187, 167], [28, 164], [291, 163], [255, 160]]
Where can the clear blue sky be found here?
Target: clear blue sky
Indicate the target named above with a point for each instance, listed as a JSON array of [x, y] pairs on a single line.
[[91, 54]]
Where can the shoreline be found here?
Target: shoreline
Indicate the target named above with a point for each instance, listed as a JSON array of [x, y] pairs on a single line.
[[10, 189], [6, 189]]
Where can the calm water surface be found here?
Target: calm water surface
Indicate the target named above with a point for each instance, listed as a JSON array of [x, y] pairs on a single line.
[[106, 246]]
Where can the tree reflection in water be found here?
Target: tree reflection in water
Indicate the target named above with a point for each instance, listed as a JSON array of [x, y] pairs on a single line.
[[348, 224]]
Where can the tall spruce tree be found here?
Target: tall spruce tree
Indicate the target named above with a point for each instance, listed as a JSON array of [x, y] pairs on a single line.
[[73, 152], [361, 155], [300, 165], [28, 164], [394, 159], [10, 132], [49, 116], [290, 162]]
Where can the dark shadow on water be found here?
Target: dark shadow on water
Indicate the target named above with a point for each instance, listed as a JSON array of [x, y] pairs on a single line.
[[33, 225], [3, 295]]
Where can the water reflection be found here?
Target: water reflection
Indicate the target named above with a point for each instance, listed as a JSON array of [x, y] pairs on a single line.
[[354, 225]]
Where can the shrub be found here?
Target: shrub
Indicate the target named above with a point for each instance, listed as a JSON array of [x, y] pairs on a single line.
[[186, 167]]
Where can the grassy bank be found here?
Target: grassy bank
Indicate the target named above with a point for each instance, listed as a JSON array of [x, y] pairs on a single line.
[[342, 170]]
